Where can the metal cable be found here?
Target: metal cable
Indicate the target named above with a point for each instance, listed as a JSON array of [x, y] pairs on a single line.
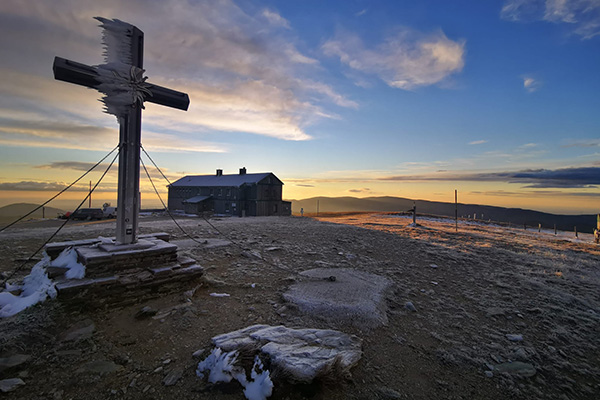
[[59, 193], [64, 223]]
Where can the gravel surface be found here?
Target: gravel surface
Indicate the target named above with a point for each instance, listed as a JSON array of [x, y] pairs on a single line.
[[482, 313]]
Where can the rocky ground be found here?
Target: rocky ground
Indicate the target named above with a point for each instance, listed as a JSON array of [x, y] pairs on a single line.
[[482, 313]]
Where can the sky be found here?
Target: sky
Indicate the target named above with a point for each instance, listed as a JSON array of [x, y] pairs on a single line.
[[498, 99]]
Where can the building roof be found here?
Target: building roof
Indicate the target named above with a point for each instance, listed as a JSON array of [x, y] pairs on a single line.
[[221, 180]]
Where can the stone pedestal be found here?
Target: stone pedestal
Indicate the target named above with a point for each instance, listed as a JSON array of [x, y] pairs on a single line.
[[125, 273]]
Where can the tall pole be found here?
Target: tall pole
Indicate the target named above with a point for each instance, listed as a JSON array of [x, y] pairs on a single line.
[[130, 132], [456, 210], [317, 208], [90, 196]]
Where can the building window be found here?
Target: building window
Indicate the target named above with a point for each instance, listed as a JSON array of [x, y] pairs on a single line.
[[228, 192], [220, 192]]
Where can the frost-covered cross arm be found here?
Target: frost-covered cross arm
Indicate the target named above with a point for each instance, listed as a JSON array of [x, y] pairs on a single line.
[[85, 75]]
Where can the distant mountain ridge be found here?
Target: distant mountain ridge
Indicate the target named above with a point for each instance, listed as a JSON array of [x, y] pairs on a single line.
[[518, 216], [11, 212]]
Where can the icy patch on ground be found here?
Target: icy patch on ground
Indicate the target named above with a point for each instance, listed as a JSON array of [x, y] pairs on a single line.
[[37, 286], [220, 368]]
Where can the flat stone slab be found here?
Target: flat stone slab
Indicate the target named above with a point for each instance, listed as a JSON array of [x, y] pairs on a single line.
[[13, 361], [301, 355], [517, 368], [54, 249], [342, 295], [8, 385]]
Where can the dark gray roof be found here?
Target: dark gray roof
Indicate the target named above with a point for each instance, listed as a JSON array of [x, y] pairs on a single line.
[[222, 180], [196, 199]]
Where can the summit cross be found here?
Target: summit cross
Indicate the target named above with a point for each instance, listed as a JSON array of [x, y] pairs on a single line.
[[125, 90]]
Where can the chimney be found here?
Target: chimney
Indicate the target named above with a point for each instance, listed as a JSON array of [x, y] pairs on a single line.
[[219, 172], [243, 171]]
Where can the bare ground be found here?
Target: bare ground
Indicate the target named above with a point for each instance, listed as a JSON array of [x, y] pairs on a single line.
[[487, 282]]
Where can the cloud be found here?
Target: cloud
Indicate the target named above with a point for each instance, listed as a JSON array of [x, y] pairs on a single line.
[[242, 74], [405, 60], [475, 142], [531, 84], [275, 19], [40, 186], [362, 190], [304, 185], [361, 12], [584, 143], [583, 16], [583, 177]]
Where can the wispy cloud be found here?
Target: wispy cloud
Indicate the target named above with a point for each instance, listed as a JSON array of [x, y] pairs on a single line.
[[582, 15], [531, 84], [275, 19], [405, 60], [361, 12], [361, 190], [40, 186], [475, 142], [583, 143], [583, 177], [242, 74]]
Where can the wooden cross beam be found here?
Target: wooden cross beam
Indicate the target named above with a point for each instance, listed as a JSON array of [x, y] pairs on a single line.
[[130, 121]]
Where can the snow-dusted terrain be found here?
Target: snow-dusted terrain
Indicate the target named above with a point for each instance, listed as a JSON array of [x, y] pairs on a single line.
[[487, 312]]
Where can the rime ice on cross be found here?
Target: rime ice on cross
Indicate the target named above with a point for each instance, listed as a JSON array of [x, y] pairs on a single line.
[[125, 89]]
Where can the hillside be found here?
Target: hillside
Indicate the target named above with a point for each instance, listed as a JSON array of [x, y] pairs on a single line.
[[517, 216], [13, 211]]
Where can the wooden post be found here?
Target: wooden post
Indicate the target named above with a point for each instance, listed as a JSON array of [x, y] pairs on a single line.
[[539, 227], [43, 212], [90, 198], [456, 210], [414, 210], [554, 229], [576, 235]]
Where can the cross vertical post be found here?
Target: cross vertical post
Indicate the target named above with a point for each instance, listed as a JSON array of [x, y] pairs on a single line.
[[130, 139]]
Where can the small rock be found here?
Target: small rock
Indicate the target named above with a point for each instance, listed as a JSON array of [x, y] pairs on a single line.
[[8, 385], [157, 370], [513, 337], [198, 353], [387, 393], [101, 367], [146, 388], [145, 312], [433, 266], [80, 331], [172, 377], [517, 368], [167, 361], [489, 374], [410, 306], [13, 361]]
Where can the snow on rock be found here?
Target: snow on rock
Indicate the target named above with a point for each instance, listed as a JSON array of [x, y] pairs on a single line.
[[37, 287], [68, 259], [352, 297], [301, 354], [219, 366]]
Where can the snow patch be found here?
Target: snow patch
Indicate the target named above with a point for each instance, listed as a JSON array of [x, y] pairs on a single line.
[[37, 286], [220, 368], [68, 259]]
